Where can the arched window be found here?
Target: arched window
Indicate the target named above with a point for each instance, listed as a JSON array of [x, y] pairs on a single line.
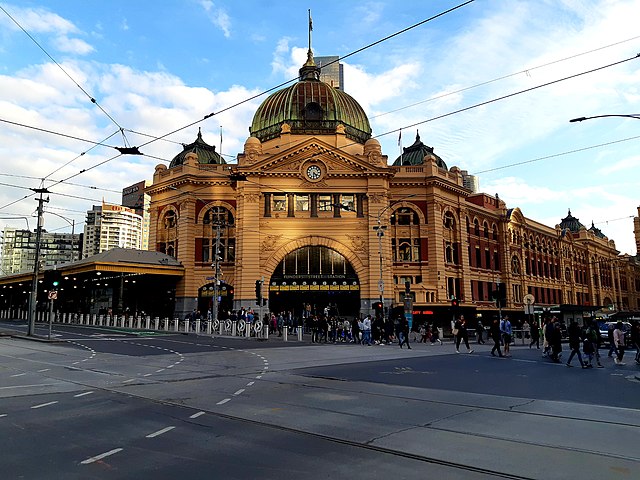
[[223, 245], [405, 216], [476, 227]]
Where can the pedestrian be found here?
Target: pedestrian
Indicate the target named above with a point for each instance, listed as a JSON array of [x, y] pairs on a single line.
[[575, 341], [590, 344], [435, 334], [423, 333], [535, 335], [618, 339], [403, 333], [366, 330], [612, 344], [507, 331], [555, 340], [462, 334], [480, 332], [496, 335], [355, 331]]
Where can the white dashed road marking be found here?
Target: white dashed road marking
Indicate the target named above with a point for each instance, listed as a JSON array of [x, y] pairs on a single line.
[[160, 432], [222, 402], [196, 415], [18, 374], [239, 391], [45, 404], [101, 456], [82, 394]]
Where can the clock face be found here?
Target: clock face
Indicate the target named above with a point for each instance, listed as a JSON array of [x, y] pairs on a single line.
[[314, 172]]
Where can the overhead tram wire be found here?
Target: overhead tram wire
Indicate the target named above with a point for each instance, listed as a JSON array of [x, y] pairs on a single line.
[[547, 157], [487, 82], [135, 150], [237, 104], [93, 100]]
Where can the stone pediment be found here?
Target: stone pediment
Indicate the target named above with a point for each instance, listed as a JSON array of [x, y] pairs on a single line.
[[334, 161]]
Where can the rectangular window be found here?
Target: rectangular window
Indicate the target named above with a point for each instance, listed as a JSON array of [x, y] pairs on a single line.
[[302, 203], [324, 203], [416, 250], [279, 203], [205, 250], [347, 202]]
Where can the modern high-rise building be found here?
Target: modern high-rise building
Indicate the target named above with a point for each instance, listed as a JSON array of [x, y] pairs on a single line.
[[110, 226], [19, 250], [331, 71], [135, 198], [470, 181]]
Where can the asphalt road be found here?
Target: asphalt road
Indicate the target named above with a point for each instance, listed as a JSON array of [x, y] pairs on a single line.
[[106, 404]]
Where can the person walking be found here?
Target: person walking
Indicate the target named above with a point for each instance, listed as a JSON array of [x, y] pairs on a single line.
[[480, 332], [555, 340], [575, 340], [507, 331], [618, 340], [462, 334], [403, 333], [535, 335], [635, 339], [435, 334], [591, 344], [495, 333]]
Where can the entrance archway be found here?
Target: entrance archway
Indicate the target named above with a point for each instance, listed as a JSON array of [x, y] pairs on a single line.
[[313, 280]]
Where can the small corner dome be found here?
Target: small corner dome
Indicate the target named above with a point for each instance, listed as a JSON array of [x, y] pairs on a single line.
[[416, 153], [206, 153]]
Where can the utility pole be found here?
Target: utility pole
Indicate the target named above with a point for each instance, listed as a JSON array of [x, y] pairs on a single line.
[[36, 268]]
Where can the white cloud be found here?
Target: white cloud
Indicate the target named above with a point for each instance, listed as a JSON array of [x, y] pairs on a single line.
[[218, 16], [72, 45]]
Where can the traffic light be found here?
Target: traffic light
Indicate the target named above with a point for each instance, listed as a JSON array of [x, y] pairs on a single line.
[[454, 303], [52, 278], [258, 292], [377, 308]]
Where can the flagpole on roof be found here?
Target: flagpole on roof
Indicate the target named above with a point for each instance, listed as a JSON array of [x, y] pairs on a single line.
[[400, 145], [310, 28]]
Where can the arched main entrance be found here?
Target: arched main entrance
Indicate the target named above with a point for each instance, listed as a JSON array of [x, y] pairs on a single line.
[[312, 280]]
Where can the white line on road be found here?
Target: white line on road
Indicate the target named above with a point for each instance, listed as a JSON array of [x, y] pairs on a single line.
[[3, 415], [161, 370], [259, 377], [196, 415], [18, 374], [28, 386], [83, 394], [222, 402], [100, 457], [169, 366], [147, 374], [130, 380], [44, 370], [239, 391], [160, 432], [45, 404], [250, 383]]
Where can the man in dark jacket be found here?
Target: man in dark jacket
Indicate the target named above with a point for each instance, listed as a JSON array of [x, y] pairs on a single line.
[[575, 340], [495, 333]]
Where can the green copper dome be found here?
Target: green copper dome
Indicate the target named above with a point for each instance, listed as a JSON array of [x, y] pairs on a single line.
[[206, 153], [415, 154], [310, 107]]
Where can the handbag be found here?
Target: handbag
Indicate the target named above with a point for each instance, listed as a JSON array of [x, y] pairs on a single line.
[[455, 331]]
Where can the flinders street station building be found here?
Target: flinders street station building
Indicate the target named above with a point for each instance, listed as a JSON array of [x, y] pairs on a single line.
[[316, 211]]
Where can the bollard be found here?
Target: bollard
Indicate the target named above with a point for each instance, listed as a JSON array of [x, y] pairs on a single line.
[[285, 333], [247, 330], [233, 329], [299, 334], [175, 325], [156, 323], [209, 322], [266, 331], [198, 327], [147, 322], [220, 324]]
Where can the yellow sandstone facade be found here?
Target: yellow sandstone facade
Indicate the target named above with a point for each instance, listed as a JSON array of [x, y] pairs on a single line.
[[314, 208]]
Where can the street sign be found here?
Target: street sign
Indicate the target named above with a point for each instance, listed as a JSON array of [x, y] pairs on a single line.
[[52, 295], [529, 299]]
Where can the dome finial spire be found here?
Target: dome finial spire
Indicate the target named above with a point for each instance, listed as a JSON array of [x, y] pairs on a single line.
[[309, 70], [309, 52]]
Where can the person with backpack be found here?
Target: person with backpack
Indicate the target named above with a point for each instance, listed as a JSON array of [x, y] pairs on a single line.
[[507, 331]]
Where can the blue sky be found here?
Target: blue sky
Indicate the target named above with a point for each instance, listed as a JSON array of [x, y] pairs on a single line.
[[157, 66]]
